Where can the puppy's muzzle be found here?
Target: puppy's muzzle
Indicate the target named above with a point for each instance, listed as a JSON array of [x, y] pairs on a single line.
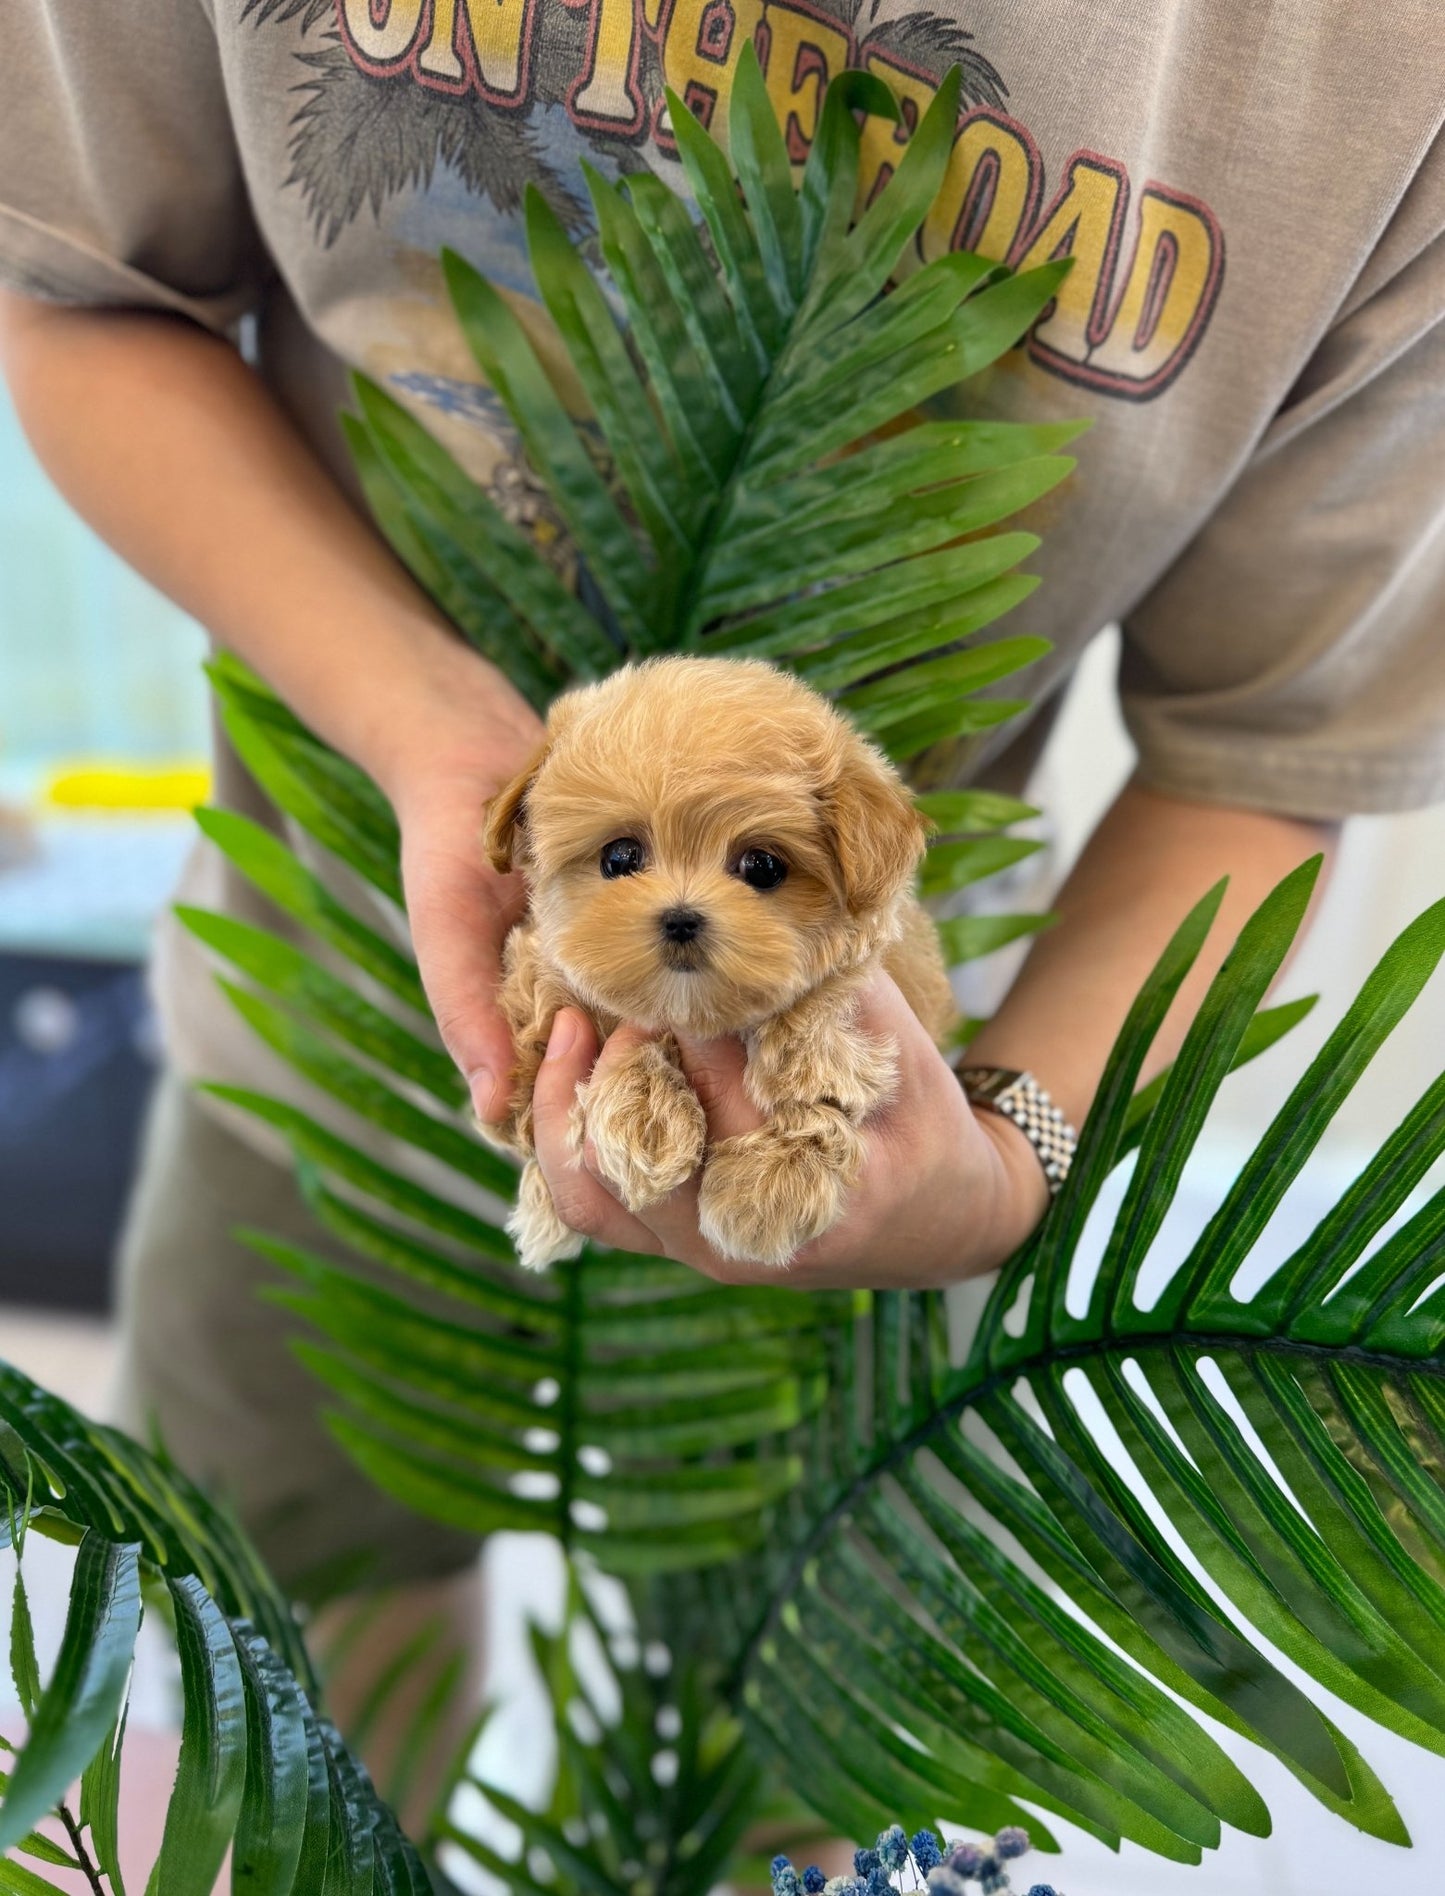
[[681, 930]]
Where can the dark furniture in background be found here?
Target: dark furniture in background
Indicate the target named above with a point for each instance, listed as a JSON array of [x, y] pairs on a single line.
[[77, 1062]]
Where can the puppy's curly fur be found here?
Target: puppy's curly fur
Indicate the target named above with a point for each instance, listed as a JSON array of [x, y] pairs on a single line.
[[650, 829]]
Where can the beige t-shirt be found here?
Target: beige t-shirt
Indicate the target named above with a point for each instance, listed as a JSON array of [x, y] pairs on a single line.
[[1254, 198]]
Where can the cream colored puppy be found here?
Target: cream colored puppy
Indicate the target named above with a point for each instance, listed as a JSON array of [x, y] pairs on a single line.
[[710, 848]]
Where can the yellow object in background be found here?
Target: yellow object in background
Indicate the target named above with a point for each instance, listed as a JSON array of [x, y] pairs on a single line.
[[126, 787]]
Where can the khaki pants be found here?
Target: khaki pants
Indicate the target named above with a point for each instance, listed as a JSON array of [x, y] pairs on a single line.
[[205, 1364]]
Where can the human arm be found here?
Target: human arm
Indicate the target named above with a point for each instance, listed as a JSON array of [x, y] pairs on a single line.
[[946, 1192], [173, 450]]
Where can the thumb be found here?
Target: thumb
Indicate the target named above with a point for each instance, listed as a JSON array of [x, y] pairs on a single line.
[[714, 1070], [460, 913]]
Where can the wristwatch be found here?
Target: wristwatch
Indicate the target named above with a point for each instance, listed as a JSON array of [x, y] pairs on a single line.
[[1019, 1097]]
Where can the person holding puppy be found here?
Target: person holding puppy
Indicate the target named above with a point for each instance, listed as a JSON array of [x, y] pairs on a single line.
[[1253, 322]]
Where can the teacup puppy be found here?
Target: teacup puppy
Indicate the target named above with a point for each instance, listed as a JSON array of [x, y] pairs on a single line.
[[710, 848]]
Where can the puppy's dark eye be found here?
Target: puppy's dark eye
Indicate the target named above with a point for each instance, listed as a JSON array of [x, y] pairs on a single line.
[[761, 869], [622, 857]]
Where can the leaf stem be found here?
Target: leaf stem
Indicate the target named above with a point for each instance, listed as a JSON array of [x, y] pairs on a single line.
[[82, 1855], [973, 1393], [717, 514], [567, 1419]]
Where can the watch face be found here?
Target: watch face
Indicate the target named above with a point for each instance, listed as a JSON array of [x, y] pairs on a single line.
[[989, 1083]]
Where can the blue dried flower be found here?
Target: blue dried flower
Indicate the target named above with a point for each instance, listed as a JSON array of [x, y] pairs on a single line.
[[844, 1886], [1011, 1842], [926, 1851], [992, 1876], [865, 1862], [965, 1859], [814, 1880], [893, 1848], [878, 1883], [1043, 1889], [785, 1878]]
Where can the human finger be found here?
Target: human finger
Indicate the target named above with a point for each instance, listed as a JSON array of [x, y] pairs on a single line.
[[714, 1069], [460, 913]]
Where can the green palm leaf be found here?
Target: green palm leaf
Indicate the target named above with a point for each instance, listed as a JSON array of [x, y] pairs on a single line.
[[655, 1783], [71, 1718], [258, 1767], [907, 1664], [748, 507]]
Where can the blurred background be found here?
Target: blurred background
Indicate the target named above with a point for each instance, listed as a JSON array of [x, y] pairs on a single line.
[[103, 733], [102, 750]]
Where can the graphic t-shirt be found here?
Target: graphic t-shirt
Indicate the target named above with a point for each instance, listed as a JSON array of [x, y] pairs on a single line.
[[1254, 198]]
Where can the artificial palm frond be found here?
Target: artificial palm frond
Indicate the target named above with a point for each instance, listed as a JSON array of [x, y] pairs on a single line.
[[939, 1627], [655, 1784], [740, 485], [261, 1773]]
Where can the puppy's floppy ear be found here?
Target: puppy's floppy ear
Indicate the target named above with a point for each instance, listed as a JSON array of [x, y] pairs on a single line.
[[877, 833], [506, 813]]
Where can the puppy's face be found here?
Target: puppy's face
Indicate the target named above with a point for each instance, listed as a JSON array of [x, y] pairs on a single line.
[[703, 841]]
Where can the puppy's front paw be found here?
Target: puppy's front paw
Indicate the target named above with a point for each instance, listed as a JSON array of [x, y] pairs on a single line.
[[646, 1126], [854, 1070], [539, 1234], [767, 1193]]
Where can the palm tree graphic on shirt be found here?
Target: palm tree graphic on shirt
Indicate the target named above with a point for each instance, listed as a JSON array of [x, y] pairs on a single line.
[[358, 141]]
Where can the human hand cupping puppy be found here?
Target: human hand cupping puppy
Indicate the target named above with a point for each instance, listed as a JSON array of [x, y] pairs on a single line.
[[943, 1193], [444, 747]]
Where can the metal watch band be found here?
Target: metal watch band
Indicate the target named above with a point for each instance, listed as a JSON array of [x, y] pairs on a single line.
[[1019, 1097]]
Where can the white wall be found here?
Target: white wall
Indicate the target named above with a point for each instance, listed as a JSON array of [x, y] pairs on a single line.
[[1389, 870], [92, 660]]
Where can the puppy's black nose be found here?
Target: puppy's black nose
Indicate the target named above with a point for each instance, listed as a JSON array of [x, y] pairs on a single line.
[[681, 924]]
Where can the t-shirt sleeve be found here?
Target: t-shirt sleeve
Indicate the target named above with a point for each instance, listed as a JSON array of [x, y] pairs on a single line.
[[1293, 657], [120, 181]]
